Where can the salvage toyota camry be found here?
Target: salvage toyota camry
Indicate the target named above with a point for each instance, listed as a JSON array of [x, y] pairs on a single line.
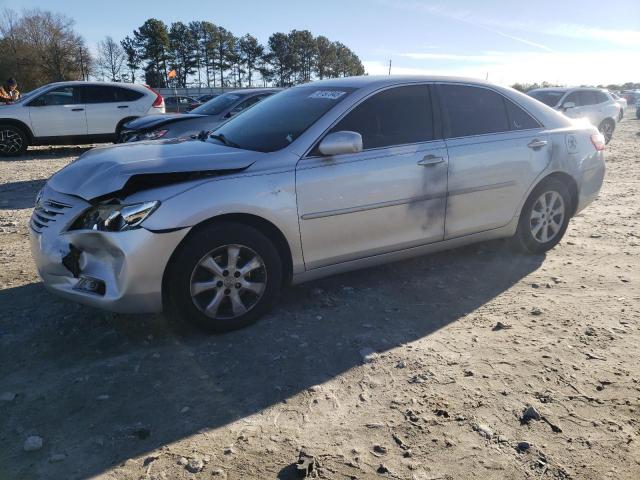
[[320, 178]]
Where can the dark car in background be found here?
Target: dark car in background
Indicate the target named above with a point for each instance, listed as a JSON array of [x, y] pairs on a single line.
[[207, 97], [180, 103], [206, 117]]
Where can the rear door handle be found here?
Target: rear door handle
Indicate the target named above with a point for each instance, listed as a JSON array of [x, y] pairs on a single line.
[[535, 144], [77, 109], [430, 160], [123, 106]]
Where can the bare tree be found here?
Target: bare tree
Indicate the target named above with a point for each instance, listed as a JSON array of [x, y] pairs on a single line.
[[40, 47], [111, 58]]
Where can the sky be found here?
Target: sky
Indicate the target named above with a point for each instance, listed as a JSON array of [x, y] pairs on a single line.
[[567, 42]]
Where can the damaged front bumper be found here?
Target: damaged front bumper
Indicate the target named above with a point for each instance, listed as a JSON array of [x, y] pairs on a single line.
[[117, 271]]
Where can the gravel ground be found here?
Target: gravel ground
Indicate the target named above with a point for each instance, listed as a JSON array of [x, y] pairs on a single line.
[[423, 369]]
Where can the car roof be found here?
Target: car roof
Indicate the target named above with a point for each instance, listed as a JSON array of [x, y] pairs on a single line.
[[389, 80], [72, 83], [251, 91], [567, 89]]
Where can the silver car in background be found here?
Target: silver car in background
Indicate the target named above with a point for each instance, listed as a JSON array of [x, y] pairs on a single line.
[[318, 179]]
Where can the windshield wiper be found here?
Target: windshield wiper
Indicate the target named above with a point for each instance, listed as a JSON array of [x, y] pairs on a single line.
[[220, 137]]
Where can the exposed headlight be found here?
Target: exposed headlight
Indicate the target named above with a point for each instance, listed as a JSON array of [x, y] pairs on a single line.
[[152, 135], [114, 217]]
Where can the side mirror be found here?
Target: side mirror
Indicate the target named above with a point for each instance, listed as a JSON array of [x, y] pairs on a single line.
[[229, 115], [568, 105], [341, 142]]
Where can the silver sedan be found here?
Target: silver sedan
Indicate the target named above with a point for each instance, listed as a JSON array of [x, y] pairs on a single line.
[[318, 179]]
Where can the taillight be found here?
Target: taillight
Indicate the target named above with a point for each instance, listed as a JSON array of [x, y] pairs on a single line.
[[598, 141], [159, 101]]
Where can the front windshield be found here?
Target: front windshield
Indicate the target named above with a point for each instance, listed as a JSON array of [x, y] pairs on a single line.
[[277, 121], [217, 105], [548, 97]]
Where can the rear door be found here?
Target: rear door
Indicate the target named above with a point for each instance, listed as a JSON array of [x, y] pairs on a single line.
[[59, 112], [496, 150], [388, 197], [107, 105]]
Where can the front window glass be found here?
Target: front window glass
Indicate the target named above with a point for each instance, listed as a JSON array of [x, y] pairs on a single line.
[[396, 116], [59, 96], [217, 105], [278, 120], [548, 97]]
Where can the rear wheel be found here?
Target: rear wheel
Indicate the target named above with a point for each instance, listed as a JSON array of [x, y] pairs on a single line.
[[13, 141], [544, 217], [224, 277], [606, 128]]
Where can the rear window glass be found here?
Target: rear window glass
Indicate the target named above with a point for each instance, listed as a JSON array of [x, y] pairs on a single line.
[[217, 105], [472, 110], [518, 118]]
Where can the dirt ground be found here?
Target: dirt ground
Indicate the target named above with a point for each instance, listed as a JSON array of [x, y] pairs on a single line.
[[415, 370]]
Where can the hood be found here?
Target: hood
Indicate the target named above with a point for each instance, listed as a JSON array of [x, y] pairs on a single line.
[[136, 166], [151, 121]]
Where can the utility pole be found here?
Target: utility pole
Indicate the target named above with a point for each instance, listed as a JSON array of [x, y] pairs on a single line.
[[389, 66]]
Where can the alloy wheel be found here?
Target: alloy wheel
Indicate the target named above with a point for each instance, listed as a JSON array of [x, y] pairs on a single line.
[[228, 282], [547, 216], [10, 141]]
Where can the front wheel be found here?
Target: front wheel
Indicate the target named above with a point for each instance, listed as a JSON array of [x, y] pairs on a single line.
[[544, 217], [13, 141], [606, 128], [224, 277]]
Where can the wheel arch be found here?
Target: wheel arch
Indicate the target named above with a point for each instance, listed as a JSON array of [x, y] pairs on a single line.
[[123, 121], [18, 123], [259, 223], [569, 182]]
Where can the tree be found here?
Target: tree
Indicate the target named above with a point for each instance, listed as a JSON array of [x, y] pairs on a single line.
[[110, 59], [303, 52], [153, 41], [326, 57], [182, 52], [41, 47], [206, 46], [250, 54], [224, 46], [280, 58], [133, 60]]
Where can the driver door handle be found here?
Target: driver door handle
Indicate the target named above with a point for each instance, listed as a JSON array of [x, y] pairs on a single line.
[[535, 144], [77, 109], [430, 160]]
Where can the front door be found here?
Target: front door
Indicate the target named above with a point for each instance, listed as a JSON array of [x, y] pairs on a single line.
[[496, 150], [58, 113], [388, 197]]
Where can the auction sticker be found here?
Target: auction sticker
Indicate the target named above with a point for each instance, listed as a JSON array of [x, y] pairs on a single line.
[[327, 94]]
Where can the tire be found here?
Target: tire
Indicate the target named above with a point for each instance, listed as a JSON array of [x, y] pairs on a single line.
[[13, 141], [210, 300], [531, 237], [606, 128]]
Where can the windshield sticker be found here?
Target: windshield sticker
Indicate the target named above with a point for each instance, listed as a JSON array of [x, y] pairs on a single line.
[[328, 94]]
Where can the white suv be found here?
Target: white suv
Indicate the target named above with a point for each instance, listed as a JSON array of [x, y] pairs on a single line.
[[595, 104], [73, 112]]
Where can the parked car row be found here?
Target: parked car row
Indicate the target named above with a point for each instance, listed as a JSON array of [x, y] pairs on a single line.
[[205, 118], [73, 112], [595, 104], [318, 179], [87, 112]]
